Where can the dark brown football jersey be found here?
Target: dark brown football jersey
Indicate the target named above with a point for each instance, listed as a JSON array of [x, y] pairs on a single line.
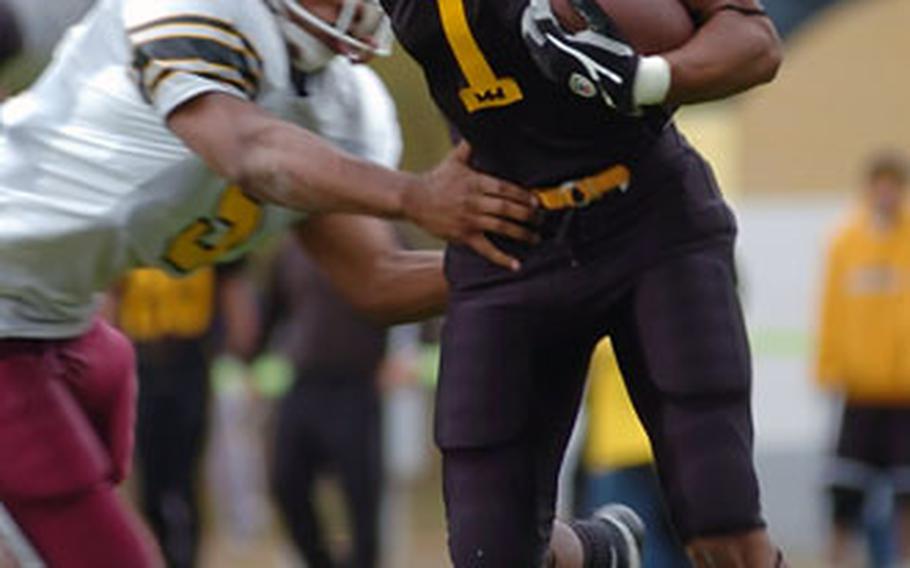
[[522, 127]]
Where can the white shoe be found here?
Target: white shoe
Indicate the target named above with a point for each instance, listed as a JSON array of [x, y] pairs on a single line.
[[627, 534]]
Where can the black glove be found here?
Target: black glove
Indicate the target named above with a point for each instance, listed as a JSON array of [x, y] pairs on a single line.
[[592, 62]]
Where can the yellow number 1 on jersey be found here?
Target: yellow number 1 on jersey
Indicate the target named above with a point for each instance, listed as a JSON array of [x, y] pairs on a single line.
[[485, 89]]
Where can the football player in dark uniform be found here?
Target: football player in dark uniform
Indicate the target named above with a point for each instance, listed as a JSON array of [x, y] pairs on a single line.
[[637, 243]]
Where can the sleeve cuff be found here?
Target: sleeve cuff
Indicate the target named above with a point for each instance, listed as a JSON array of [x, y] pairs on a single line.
[[181, 88]]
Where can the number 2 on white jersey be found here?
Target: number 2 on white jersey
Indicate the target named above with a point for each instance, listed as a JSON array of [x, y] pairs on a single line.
[[208, 239]]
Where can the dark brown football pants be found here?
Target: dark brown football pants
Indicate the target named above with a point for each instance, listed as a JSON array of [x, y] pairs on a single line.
[[654, 270]]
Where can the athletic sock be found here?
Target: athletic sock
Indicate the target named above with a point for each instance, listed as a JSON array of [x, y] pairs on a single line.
[[597, 542]]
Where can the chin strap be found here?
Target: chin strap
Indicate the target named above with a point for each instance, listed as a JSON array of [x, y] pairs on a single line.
[[308, 53]]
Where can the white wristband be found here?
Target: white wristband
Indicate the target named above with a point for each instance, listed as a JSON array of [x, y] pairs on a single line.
[[652, 81]]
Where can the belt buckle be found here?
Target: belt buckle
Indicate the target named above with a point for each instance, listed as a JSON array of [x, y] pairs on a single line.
[[576, 196]]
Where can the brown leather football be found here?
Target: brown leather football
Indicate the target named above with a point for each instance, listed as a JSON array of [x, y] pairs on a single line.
[[651, 26]]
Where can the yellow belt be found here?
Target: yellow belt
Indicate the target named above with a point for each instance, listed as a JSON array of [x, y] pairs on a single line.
[[583, 192]]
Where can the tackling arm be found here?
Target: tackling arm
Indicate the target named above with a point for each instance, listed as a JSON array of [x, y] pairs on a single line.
[[282, 163], [363, 260]]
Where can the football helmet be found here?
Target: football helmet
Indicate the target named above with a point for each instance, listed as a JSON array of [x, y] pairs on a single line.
[[362, 27]]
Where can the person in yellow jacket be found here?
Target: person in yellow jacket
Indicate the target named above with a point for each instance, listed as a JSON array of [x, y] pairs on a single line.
[[618, 464], [864, 355], [176, 325]]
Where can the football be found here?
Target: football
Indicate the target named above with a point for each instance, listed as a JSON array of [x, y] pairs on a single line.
[[651, 26]]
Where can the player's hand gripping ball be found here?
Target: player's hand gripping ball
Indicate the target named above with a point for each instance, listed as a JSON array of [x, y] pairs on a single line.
[[604, 60], [593, 62]]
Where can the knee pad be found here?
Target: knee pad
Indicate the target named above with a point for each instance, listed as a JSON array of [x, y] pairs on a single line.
[[707, 470], [693, 392]]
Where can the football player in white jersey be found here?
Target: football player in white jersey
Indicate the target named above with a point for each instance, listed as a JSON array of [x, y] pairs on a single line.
[[176, 133]]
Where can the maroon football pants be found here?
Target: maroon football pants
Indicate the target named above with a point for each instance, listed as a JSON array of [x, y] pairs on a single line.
[[67, 409]]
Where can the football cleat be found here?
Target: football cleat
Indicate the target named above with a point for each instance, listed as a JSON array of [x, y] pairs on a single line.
[[627, 534]]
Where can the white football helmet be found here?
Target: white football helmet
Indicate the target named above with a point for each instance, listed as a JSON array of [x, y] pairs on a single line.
[[362, 26]]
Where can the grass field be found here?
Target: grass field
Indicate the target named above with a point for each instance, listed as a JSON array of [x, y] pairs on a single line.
[[419, 544]]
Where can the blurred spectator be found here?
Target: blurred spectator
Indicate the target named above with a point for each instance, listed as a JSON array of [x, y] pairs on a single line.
[[331, 419], [408, 383], [618, 463], [10, 39], [237, 455], [28, 33], [864, 356], [42, 28], [10, 34], [171, 322]]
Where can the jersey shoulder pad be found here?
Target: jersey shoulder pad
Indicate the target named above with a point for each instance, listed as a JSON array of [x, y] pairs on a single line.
[[182, 48]]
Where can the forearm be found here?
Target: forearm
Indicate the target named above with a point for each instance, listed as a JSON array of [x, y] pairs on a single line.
[[407, 286], [364, 262], [282, 163], [729, 54], [292, 167]]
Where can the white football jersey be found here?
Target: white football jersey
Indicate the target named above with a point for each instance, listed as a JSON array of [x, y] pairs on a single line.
[[92, 183]]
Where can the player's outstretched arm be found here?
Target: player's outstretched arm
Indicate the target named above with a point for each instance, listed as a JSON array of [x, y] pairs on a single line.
[[282, 163], [363, 260]]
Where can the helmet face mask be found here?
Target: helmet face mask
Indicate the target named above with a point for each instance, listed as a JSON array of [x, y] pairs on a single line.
[[361, 29]]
